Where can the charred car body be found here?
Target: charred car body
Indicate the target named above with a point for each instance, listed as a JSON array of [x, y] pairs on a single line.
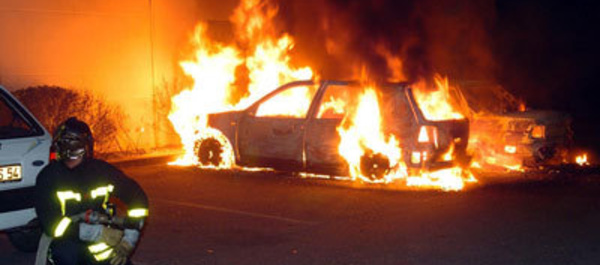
[[301, 134], [526, 139], [504, 133]]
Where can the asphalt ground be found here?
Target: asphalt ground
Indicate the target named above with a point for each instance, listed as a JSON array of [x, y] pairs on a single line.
[[228, 217]]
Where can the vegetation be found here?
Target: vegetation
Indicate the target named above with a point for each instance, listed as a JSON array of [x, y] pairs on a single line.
[[162, 104], [51, 105]]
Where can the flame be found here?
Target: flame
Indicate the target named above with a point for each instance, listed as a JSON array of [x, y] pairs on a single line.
[[522, 106], [503, 162], [213, 70], [448, 155], [232, 76], [361, 131], [295, 102], [362, 138], [437, 104], [269, 67], [511, 149], [582, 160], [449, 179], [332, 107]]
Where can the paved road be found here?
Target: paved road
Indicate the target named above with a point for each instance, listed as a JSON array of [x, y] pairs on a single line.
[[208, 217]]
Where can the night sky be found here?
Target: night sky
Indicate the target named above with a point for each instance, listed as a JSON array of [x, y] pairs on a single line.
[[548, 53]]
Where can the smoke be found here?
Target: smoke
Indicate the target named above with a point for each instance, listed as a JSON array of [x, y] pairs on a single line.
[[341, 37]]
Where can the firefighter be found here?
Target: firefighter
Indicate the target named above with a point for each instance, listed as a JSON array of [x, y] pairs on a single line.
[[75, 195]]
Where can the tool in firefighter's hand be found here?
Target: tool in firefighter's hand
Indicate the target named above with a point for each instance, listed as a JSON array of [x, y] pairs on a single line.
[[122, 222], [93, 217]]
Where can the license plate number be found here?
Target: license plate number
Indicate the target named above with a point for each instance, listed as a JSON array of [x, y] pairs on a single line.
[[10, 173]]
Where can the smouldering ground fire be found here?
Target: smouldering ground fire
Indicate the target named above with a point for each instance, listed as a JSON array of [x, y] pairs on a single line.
[[582, 160], [267, 63]]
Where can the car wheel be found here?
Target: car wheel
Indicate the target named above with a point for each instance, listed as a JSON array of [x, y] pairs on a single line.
[[209, 152], [374, 165], [26, 238], [544, 153]]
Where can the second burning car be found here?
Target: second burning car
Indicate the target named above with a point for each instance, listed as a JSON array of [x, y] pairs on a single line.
[[296, 128], [506, 135]]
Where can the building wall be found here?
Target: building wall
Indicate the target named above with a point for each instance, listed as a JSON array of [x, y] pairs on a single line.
[[119, 49]]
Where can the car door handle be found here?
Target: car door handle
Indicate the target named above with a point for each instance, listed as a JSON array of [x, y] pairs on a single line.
[[38, 163]]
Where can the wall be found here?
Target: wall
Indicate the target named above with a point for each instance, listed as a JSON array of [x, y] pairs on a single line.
[[120, 49]]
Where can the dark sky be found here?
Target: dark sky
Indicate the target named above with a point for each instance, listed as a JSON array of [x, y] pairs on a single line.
[[548, 53]]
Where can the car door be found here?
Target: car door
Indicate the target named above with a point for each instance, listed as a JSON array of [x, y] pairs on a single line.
[[322, 138], [24, 151], [271, 132]]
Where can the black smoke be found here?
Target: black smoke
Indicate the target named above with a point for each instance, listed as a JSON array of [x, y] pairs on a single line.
[[429, 36]]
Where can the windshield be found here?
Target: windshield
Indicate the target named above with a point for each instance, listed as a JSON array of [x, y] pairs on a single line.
[[488, 97]]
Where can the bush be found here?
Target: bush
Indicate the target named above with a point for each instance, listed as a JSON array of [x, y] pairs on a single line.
[[162, 95], [52, 105]]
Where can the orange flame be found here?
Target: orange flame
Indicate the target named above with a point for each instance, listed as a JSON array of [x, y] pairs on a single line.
[[582, 160], [437, 104], [449, 179], [361, 135], [213, 70], [364, 133], [265, 55]]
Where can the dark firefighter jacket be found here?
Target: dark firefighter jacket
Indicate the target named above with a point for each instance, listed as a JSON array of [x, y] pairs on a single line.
[[62, 192]]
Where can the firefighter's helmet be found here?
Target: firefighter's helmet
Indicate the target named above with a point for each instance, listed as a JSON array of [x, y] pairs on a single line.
[[73, 140]]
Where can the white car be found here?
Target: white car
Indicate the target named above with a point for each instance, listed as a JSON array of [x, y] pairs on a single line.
[[24, 151]]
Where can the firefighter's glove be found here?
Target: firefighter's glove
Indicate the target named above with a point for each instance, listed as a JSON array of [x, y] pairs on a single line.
[[100, 233], [111, 236], [122, 252]]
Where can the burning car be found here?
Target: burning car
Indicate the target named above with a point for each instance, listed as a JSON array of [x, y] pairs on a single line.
[[504, 134], [303, 126]]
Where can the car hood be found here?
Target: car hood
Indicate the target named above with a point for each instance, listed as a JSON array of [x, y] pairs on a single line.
[[14, 149], [538, 116]]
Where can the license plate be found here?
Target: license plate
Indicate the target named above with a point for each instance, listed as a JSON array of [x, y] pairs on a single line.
[[10, 173]]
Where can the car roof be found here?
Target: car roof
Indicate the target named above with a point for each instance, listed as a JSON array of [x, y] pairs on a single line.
[[356, 82]]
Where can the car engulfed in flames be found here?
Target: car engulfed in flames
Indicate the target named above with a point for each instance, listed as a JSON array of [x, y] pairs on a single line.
[[247, 111], [328, 127]]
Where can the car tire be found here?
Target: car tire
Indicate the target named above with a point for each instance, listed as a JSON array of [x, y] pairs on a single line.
[[26, 238], [209, 152], [544, 154], [374, 165]]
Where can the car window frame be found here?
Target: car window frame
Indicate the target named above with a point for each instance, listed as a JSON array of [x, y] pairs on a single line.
[[16, 106], [251, 111]]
